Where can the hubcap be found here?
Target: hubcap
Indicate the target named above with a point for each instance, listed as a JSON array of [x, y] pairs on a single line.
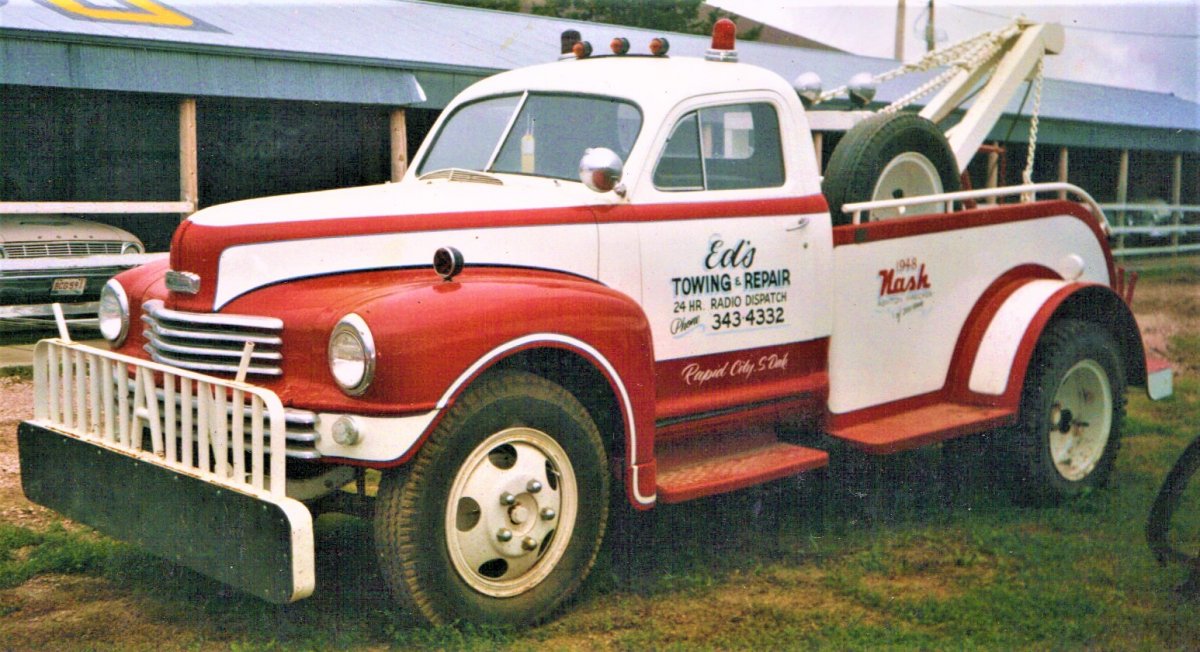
[[1080, 420], [510, 512], [908, 175]]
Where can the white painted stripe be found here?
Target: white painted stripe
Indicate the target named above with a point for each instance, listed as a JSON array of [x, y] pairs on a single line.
[[998, 350], [569, 248]]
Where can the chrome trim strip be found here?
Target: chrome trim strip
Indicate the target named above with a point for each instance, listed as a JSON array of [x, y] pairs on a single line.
[[208, 367], [156, 308], [162, 345], [259, 340]]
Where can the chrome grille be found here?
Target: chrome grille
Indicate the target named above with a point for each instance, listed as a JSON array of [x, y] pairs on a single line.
[[60, 249], [212, 343]]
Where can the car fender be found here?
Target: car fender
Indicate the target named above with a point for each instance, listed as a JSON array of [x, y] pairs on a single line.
[[434, 341], [1019, 312]]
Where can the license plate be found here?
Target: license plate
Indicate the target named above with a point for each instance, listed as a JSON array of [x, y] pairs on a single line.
[[68, 286]]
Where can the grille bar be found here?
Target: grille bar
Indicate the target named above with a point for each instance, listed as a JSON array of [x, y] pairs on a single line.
[[212, 343], [60, 249]]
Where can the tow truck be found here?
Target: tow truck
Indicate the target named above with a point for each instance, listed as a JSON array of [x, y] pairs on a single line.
[[640, 283]]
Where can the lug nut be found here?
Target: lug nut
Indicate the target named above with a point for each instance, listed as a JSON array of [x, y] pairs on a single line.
[[548, 514], [533, 487], [529, 543], [504, 534], [507, 498]]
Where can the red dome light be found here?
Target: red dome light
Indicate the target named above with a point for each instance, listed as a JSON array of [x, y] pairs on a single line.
[[619, 46], [659, 46], [724, 35]]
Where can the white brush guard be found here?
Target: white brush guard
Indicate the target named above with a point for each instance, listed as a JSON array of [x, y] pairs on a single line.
[[203, 454]]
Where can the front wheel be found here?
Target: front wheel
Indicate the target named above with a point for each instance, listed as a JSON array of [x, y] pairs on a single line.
[[501, 516], [1071, 411]]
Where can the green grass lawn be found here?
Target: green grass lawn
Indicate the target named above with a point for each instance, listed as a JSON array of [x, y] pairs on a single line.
[[918, 567]]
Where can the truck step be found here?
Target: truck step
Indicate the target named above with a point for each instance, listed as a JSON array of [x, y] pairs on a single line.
[[920, 426], [705, 466]]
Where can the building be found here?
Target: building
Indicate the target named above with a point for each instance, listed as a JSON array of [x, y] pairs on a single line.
[[138, 112]]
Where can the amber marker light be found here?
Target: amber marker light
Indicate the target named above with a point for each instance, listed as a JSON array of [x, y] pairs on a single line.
[[619, 46], [659, 46], [582, 50]]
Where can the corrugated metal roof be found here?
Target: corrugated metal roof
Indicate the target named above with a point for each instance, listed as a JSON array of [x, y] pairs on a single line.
[[462, 43]]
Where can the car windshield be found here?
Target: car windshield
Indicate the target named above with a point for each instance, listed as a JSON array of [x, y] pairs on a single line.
[[536, 134]]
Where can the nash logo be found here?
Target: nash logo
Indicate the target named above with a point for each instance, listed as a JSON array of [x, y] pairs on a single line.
[[904, 288]]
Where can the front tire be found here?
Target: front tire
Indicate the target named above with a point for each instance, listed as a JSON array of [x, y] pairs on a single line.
[[1071, 413], [502, 513]]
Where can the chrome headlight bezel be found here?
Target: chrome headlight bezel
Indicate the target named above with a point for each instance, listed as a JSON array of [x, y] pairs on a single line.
[[112, 313], [131, 248], [351, 355]]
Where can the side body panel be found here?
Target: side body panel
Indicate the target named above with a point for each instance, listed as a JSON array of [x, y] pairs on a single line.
[[906, 289]]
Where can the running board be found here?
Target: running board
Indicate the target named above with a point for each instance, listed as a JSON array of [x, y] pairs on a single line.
[[921, 426], [704, 466]]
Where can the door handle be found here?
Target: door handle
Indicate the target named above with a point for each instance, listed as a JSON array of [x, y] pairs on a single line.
[[801, 224]]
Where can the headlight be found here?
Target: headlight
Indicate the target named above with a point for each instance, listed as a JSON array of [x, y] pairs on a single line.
[[352, 354], [131, 248], [114, 313]]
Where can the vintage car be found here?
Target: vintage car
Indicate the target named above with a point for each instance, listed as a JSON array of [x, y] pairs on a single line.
[[54, 258]]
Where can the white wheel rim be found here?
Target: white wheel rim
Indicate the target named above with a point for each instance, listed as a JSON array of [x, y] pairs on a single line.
[[908, 175], [1080, 420], [504, 533]]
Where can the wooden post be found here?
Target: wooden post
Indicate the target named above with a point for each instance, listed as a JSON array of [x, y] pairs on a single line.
[[189, 176], [399, 131], [819, 146], [1176, 197], [1122, 193], [993, 173], [1064, 166]]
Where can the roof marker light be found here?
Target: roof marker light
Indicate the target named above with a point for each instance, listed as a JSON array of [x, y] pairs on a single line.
[[659, 46], [724, 42], [619, 46], [569, 38], [582, 50]]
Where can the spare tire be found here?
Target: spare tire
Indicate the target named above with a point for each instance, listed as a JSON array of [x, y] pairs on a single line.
[[889, 157]]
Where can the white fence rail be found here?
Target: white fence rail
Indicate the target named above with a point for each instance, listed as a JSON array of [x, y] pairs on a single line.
[[221, 431], [1154, 229]]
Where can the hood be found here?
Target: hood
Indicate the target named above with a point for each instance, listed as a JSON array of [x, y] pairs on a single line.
[[492, 220], [58, 228]]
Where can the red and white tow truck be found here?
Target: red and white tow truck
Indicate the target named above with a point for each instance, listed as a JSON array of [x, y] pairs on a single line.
[[637, 280]]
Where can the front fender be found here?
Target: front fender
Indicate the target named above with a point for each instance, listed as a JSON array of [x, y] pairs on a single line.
[[434, 340]]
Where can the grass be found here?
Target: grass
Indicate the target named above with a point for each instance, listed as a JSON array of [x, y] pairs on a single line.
[[934, 557], [730, 572]]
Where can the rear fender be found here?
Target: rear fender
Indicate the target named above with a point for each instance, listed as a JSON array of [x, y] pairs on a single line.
[[1002, 356]]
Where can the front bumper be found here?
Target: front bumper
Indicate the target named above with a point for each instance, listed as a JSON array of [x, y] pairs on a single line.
[[187, 466], [257, 544]]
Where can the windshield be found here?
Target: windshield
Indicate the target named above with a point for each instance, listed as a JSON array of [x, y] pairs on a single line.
[[536, 134]]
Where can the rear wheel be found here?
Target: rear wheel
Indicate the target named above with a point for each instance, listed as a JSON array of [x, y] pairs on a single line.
[[1071, 413], [890, 157], [501, 515]]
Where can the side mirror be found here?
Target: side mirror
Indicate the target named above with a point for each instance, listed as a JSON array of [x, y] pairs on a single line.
[[600, 169]]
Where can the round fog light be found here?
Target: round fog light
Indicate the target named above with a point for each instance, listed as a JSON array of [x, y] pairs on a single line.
[[345, 432]]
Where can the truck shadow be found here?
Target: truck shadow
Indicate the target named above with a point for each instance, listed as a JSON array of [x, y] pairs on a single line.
[[645, 553]]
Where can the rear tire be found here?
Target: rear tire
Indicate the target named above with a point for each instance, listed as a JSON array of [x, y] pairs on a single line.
[[889, 157], [1071, 413], [502, 513]]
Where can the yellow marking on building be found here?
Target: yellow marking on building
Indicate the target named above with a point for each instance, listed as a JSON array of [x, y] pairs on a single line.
[[147, 12]]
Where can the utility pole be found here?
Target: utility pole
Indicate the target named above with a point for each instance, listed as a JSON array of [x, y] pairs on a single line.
[[900, 24], [930, 32]]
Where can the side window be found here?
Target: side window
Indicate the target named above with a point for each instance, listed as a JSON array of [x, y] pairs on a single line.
[[723, 148], [680, 168]]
